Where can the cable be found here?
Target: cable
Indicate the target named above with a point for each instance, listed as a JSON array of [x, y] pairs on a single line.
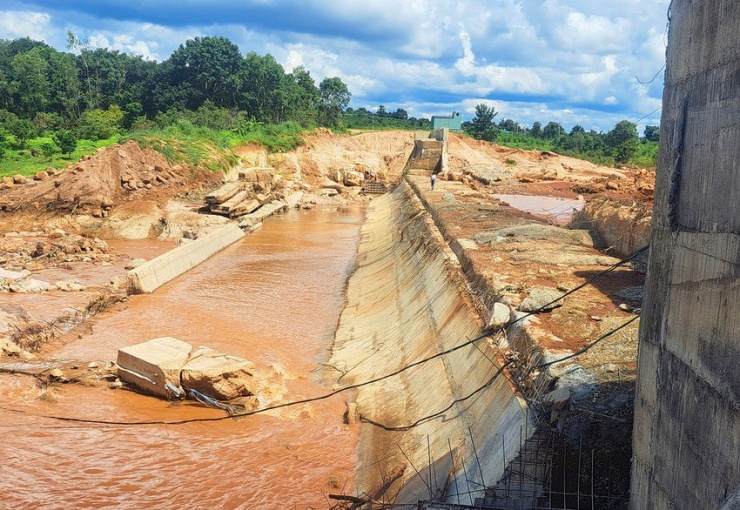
[[649, 114], [586, 347], [403, 428], [353, 386]]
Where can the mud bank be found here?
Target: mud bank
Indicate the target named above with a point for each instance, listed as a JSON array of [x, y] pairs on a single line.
[[407, 301]]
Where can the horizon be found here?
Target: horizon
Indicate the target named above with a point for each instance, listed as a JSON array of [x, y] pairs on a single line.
[[565, 61]]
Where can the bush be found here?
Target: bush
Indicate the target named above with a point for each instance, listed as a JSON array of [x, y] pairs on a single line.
[[100, 124], [66, 140]]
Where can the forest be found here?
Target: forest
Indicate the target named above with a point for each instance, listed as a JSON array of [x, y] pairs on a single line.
[[56, 106]]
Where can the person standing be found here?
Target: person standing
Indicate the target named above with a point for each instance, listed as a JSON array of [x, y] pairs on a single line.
[[433, 180]]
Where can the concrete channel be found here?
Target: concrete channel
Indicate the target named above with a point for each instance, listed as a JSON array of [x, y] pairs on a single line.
[[408, 301]]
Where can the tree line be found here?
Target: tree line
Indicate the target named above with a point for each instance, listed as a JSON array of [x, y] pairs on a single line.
[[620, 145], [93, 91]]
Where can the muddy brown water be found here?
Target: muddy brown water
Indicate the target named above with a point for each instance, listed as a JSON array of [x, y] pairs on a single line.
[[274, 298], [559, 210]]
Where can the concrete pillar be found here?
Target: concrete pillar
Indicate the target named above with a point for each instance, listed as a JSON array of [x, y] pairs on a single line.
[[687, 403]]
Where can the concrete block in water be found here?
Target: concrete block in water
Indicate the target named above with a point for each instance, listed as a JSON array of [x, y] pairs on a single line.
[[218, 375], [151, 365], [158, 271]]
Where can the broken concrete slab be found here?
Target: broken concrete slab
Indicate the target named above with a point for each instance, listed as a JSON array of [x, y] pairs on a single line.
[[150, 365], [500, 315], [218, 375]]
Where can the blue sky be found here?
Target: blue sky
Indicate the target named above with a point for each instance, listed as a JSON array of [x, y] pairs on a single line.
[[571, 61]]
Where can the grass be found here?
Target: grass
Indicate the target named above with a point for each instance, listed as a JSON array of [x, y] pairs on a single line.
[[28, 161], [181, 143]]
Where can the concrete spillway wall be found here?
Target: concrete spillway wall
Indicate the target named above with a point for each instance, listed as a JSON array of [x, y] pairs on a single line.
[[687, 405], [160, 270], [408, 301]]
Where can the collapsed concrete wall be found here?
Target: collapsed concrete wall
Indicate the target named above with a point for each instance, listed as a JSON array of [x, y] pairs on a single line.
[[407, 301], [158, 271], [687, 406]]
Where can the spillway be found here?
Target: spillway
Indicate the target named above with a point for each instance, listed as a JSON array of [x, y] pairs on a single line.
[[451, 421]]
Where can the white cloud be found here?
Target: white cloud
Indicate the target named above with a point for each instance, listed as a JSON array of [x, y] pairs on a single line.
[[17, 24], [546, 58]]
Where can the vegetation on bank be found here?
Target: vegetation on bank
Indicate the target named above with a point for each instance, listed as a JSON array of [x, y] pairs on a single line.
[[207, 97], [619, 146]]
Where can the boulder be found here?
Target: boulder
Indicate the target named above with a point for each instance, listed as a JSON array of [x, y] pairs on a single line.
[[539, 298], [150, 366], [217, 375], [40, 176], [66, 286], [353, 178], [19, 179], [632, 294], [134, 263], [329, 184], [500, 315]]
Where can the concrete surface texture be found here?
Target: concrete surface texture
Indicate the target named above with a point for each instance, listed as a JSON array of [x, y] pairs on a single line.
[[158, 271], [407, 301], [150, 365], [687, 406]]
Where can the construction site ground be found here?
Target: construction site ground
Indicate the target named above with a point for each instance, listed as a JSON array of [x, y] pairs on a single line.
[[81, 229]]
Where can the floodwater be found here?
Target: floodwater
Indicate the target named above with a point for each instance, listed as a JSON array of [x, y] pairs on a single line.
[[559, 210], [273, 298]]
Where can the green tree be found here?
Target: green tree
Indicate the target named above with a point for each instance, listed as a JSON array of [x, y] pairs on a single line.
[[536, 130], [622, 141], [48, 149], [210, 69], [652, 133], [3, 139], [552, 130], [482, 126], [66, 139], [31, 81], [100, 124], [22, 129], [302, 98], [334, 98], [400, 113], [509, 125], [264, 88], [577, 129]]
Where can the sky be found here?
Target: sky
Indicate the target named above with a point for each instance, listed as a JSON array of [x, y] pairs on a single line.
[[587, 62]]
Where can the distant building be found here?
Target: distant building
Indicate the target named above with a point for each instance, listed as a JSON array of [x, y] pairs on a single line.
[[454, 122]]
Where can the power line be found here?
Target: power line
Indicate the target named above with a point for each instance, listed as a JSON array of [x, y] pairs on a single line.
[[352, 386]]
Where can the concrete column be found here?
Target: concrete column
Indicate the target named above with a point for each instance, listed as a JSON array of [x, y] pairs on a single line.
[[687, 403]]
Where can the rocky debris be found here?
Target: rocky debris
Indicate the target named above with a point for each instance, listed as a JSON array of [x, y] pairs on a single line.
[[67, 286], [558, 398], [168, 368], [536, 232], [632, 294], [254, 188], [353, 178], [134, 263], [537, 298], [333, 185], [252, 219], [94, 185], [625, 226], [218, 375], [500, 315], [36, 250]]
